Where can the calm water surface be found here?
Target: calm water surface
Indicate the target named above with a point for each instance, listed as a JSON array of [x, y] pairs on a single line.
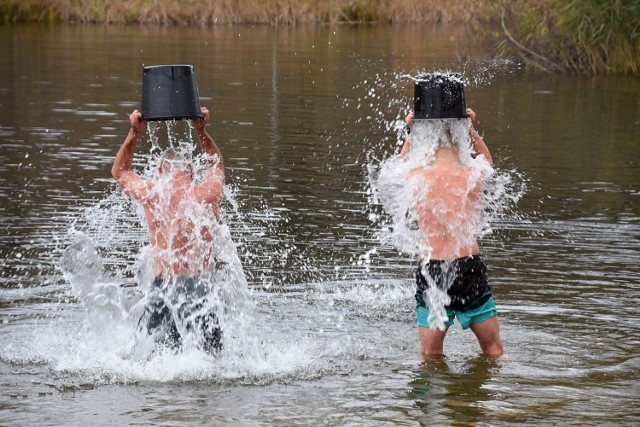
[[301, 115]]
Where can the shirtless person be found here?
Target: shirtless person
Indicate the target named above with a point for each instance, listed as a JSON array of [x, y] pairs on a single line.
[[448, 207], [182, 249]]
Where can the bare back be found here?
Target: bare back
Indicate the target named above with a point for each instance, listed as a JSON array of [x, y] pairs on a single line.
[[448, 206], [181, 216]]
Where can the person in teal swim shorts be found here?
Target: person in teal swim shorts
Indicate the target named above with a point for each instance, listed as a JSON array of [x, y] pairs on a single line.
[[448, 209]]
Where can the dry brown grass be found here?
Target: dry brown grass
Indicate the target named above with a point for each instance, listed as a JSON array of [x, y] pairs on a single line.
[[273, 12]]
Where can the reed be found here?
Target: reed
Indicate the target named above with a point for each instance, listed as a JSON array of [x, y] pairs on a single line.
[[580, 36], [26, 11], [273, 12]]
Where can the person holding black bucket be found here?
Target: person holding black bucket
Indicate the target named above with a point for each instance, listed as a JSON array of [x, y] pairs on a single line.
[[448, 189], [182, 246]]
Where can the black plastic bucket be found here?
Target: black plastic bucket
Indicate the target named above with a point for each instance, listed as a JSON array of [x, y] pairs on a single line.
[[170, 92], [439, 96]]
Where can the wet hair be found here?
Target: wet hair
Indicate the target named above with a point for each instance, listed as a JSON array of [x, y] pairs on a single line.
[[443, 132], [427, 136], [172, 160]]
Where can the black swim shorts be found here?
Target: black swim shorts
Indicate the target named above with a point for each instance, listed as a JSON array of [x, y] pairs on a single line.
[[181, 299], [464, 279]]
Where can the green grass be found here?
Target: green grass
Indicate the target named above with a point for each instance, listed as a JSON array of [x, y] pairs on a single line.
[[579, 36]]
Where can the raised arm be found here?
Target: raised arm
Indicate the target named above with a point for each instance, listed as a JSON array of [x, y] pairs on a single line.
[[207, 144], [132, 184], [211, 189], [477, 143], [407, 144]]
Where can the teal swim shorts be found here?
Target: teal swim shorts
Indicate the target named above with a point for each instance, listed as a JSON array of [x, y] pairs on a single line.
[[466, 318]]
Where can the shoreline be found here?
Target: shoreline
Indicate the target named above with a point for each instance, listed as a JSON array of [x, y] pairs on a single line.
[[270, 12], [584, 37]]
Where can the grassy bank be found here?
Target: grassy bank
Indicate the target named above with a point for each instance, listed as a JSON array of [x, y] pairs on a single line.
[[581, 36], [272, 12]]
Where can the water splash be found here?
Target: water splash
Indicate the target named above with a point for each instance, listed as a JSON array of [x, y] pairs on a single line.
[[399, 187], [107, 260]]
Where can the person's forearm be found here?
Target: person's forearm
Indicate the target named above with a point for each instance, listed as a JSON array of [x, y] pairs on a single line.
[[479, 146], [209, 146], [124, 157], [405, 148]]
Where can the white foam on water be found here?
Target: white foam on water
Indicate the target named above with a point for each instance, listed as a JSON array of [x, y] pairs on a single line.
[[77, 354], [382, 299]]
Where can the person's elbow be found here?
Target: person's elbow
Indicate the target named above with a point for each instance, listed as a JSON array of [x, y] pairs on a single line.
[[488, 158], [116, 172]]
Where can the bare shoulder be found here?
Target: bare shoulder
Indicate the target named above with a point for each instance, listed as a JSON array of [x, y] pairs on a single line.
[[211, 189], [135, 186], [419, 172]]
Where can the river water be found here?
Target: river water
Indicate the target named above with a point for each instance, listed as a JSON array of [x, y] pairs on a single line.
[[302, 116]]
